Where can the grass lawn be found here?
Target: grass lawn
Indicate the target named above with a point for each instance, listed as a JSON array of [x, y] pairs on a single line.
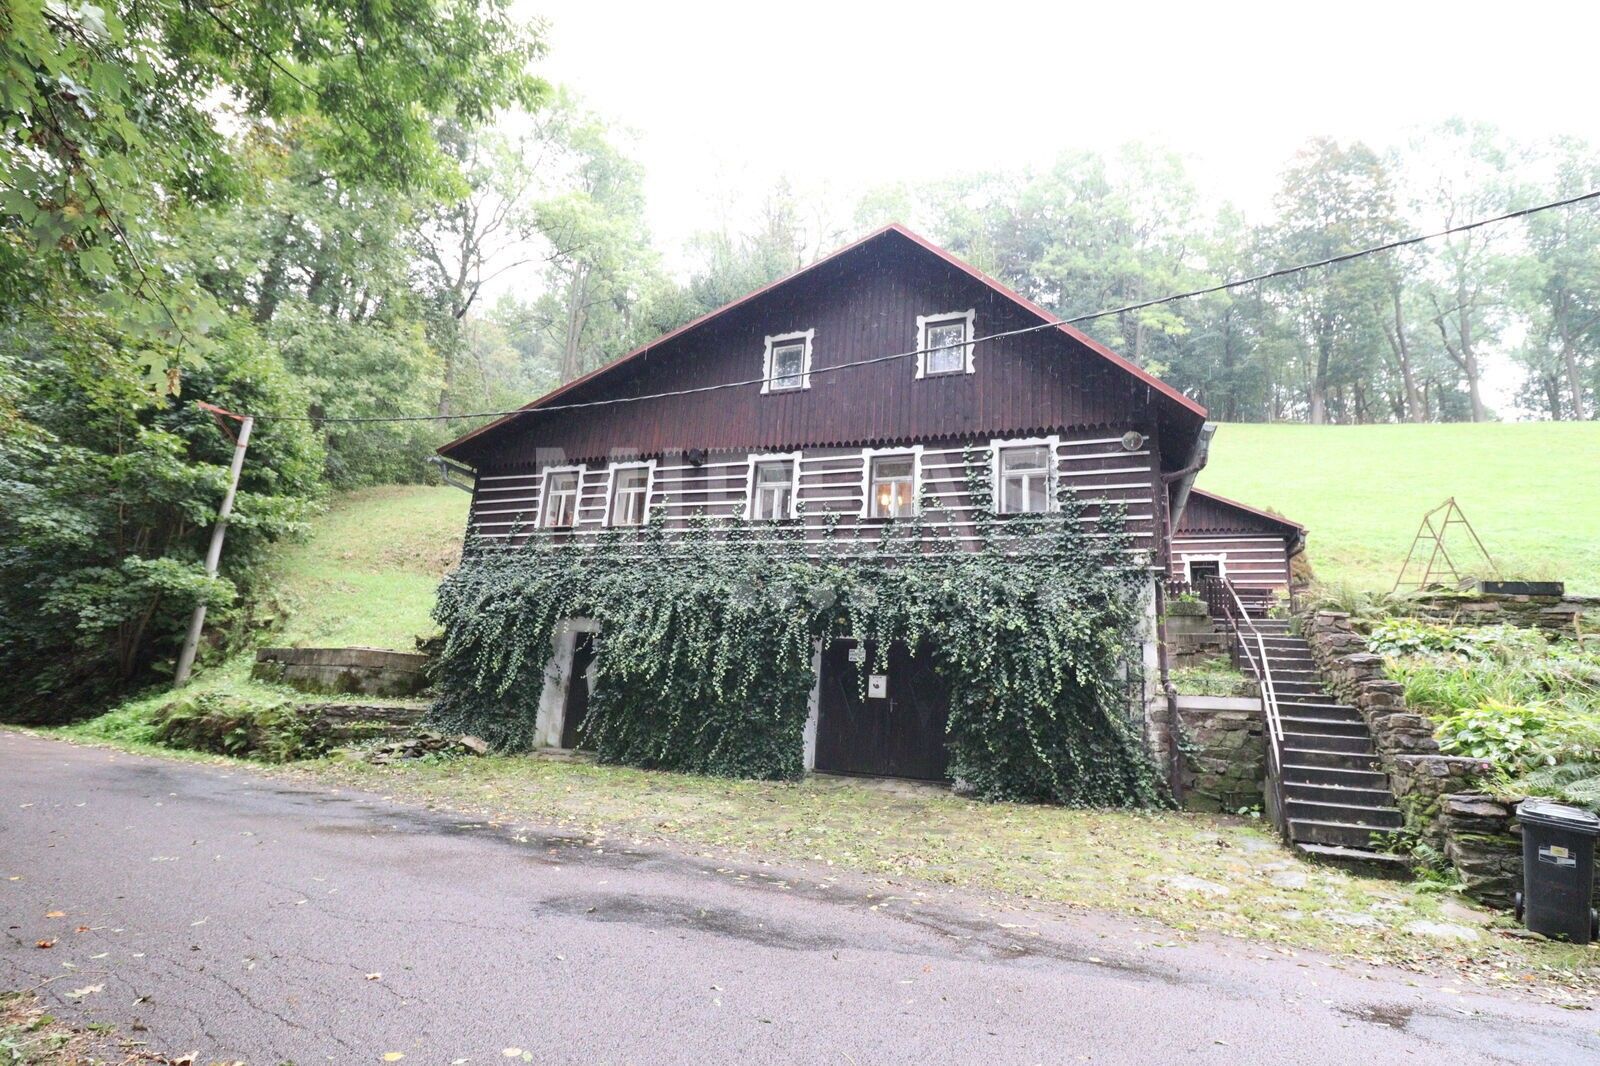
[[367, 573], [1191, 872], [1531, 489]]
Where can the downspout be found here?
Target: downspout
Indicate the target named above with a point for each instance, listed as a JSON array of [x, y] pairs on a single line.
[[1184, 477], [1172, 506]]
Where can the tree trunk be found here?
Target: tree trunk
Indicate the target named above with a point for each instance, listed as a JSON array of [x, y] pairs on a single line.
[[1569, 356], [1402, 356]]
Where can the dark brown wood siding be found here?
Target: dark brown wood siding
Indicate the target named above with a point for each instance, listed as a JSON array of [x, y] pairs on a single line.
[[831, 484], [861, 306], [1252, 547]]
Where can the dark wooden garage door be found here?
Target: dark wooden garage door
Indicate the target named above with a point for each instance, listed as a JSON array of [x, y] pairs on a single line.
[[902, 735]]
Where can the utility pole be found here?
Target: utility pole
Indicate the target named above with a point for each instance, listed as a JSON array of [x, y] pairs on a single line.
[[214, 553]]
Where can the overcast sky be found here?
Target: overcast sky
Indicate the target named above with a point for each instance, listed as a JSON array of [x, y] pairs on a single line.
[[725, 98], [842, 96]]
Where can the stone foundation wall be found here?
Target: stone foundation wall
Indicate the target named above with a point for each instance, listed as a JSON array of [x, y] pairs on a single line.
[[1554, 615], [1418, 774], [1224, 752], [356, 671], [1191, 637], [1483, 841]]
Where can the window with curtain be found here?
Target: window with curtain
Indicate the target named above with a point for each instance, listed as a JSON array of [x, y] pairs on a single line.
[[893, 488]]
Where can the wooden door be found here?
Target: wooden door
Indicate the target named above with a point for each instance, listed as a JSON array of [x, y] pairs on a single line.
[[901, 735], [577, 706]]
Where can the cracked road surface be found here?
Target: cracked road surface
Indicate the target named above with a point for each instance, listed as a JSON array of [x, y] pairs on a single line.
[[238, 915]]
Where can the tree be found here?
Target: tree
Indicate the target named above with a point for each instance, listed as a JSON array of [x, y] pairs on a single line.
[[603, 278], [1561, 285], [1461, 172], [111, 120], [1334, 199]]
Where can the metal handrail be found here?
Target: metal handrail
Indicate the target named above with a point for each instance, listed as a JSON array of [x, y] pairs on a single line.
[[1222, 599]]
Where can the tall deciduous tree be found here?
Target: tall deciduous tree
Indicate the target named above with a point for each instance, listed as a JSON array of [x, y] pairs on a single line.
[[1561, 283], [1461, 172], [1335, 199]]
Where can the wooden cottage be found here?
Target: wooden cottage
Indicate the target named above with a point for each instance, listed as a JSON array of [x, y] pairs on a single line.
[[1218, 537], [800, 393]]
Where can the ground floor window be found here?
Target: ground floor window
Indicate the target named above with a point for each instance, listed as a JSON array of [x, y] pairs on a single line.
[[893, 486], [630, 494], [1024, 479]]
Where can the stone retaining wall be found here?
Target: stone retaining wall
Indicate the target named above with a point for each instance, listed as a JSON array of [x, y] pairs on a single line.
[[1224, 752], [363, 671], [1554, 615], [1418, 774], [1483, 841]]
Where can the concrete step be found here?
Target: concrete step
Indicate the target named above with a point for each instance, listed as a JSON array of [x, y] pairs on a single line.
[[1360, 744], [1358, 860], [1373, 796], [1341, 834], [1296, 774], [1386, 817]]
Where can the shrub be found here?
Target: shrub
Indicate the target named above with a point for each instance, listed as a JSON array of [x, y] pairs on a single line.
[[230, 724], [1517, 739]]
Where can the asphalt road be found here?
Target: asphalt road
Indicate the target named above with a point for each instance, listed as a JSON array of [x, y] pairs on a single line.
[[240, 916]]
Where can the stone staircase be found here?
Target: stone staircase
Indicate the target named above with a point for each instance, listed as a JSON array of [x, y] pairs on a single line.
[[1336, 796]]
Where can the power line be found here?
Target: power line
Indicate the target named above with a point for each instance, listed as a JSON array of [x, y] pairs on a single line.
[[1223, 286]]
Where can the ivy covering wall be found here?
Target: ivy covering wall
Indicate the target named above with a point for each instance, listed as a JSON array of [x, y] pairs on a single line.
[[704, 654]]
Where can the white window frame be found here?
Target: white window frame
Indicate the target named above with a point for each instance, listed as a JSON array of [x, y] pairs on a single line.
[[1052, 468], [868, 455], [970, 316], [1220, 560], [544, 496], [793, 459], [649, 467], [780, 340]]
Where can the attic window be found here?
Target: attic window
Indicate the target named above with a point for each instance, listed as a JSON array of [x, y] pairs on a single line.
[[944, 344], [788, 363]]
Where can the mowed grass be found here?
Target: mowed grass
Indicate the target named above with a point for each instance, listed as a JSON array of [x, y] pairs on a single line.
[[1531, 490], [368, 572]]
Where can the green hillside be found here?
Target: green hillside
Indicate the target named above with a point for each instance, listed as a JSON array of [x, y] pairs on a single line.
[[367, 574], [1532, 491]]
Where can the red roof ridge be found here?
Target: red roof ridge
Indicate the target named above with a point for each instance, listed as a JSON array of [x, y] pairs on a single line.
[[892, 227]]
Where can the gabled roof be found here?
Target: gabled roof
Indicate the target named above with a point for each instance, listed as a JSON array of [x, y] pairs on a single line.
[[1275, 519], [552, 398]]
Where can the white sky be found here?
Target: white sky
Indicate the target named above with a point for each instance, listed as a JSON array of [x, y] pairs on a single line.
[[840, 97]]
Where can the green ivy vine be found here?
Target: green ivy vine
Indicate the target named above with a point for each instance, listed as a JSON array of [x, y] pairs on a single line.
[[704, 654]]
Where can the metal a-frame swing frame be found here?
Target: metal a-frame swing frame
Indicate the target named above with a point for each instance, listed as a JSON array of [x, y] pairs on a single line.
[[1433, 529]]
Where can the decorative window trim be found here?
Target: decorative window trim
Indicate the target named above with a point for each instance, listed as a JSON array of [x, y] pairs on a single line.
[[544, 495], [649, 466], [778, 340], [1052, 468], [1220, 560], [914, 452], [793, 459], [924, 321]]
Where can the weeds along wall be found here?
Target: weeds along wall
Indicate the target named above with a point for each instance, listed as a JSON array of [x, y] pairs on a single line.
[[704, 652]]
